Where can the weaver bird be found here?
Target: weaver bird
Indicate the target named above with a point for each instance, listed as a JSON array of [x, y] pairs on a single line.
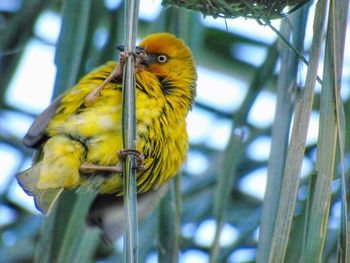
[[80, 134]]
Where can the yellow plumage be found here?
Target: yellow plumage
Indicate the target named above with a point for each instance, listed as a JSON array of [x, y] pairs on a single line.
[[80, 132]]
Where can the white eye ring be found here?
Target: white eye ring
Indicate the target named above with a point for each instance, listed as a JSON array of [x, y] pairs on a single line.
[[162, 59]]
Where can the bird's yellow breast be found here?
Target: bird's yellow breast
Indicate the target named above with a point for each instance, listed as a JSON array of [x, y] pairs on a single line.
[[161, 128]]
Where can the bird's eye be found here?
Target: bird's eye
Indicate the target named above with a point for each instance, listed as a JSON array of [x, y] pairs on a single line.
[[162, 59]]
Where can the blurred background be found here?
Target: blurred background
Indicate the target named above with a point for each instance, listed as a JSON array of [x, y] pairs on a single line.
[[238, 62]]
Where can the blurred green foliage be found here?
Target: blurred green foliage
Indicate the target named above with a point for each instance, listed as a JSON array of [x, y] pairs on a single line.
[[217, 192]]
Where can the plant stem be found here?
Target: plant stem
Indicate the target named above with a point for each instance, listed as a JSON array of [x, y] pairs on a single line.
[[129, 135]]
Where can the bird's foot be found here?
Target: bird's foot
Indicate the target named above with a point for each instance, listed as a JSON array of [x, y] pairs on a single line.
[[123, 56], [118, 168], [122, 154], [93, 95], [91, 168], [117, 73], [139, 57]]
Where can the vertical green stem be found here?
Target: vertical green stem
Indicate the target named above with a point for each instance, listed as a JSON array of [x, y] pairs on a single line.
[[129, 135], [169, 223]]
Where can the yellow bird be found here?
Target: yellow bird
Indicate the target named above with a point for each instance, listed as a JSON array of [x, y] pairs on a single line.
[[80, 134]]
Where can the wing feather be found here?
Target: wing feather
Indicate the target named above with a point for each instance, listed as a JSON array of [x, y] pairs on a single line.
[[36, 132]]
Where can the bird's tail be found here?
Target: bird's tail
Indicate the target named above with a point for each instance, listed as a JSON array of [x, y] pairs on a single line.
[[44, 198]]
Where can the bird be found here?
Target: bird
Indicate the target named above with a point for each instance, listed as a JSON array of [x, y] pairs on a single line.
[[79, 136]]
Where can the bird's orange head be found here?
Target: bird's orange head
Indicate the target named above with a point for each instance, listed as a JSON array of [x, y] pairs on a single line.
[[170, 59], [165, 51]]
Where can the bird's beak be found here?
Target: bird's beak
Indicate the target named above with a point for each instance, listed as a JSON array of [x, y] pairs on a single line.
[[138, 49]]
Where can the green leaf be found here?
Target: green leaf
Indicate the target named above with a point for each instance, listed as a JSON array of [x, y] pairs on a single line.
[[326, 153], [65, 236], [296, 149], [339, 17], [14, 37], [223, 188], [71, 44], [287, 80], [234, 149]]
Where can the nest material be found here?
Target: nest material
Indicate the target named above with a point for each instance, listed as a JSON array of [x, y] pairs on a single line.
[[258, 9]]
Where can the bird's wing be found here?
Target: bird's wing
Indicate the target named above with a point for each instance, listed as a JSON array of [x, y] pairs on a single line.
[[36, 132]]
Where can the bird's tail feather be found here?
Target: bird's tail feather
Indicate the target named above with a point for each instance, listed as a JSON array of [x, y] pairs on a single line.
[[29, 178], [43, 198]]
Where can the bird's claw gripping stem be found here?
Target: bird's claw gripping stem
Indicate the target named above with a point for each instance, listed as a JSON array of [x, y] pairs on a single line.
[[118, 168], [138, 56], [92, 96], [117, 73], [122, 154], [90, 168]]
